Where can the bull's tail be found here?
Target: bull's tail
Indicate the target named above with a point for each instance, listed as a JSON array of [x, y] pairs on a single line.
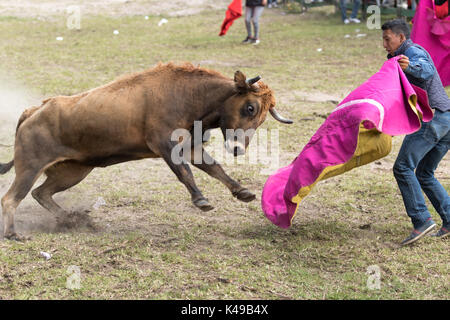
[[5, 167]]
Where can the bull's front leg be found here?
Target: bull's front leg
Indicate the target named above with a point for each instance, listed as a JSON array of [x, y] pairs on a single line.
[[211, 167], [184, 174]]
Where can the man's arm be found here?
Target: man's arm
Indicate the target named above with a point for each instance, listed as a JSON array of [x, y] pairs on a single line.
[[419, 65]]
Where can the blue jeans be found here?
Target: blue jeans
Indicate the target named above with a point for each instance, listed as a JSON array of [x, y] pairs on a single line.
[[422, 151], [356, 4]]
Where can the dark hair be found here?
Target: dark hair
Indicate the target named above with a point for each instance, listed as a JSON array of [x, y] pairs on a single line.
[[397, 26]]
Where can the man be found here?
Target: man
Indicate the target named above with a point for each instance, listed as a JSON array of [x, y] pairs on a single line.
[[423, 150]]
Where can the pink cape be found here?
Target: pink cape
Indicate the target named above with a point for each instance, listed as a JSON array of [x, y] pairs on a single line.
[[433, 34], [386, 102]]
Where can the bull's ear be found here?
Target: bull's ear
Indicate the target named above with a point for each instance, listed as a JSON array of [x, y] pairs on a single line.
[[240, 81]]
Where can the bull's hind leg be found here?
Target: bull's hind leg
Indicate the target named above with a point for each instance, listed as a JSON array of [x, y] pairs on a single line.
[[19, 189], [27, 173], [61, 176]]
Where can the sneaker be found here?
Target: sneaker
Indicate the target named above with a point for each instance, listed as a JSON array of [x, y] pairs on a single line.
[[418, 233], [255, 41], [269, 6], [346, 21], [442, 233], [247, 40], [355, 20]]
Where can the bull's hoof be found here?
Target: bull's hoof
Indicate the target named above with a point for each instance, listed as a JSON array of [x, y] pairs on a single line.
[[245, 195], [203, 204], [16, 237]]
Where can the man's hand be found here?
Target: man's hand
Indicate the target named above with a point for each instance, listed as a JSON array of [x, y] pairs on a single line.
[[403, 62]]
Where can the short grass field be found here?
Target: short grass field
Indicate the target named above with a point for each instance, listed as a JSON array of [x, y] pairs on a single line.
[[148, 241]]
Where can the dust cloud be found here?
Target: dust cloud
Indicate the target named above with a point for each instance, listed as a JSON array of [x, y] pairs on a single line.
[[14, 99]]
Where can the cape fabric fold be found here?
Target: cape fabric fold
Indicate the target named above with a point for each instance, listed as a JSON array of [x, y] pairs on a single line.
[[433, 34], [357, 132], [234, 12]]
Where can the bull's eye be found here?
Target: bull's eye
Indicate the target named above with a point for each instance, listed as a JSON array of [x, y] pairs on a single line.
[[251, 110]]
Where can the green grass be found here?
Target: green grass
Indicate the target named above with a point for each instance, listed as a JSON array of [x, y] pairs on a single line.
[[149, 242]]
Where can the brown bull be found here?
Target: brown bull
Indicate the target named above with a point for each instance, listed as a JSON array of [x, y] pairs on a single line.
[[131, 118]]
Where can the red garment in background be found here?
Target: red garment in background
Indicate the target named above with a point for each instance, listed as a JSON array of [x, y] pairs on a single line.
[[442, 10], [433, 34], [234, 11]]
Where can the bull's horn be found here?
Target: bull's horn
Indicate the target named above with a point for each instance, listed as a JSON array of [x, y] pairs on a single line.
[[253, 80], [279, 117]]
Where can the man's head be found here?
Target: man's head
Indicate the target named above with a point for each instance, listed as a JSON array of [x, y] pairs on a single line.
[[395, 32]]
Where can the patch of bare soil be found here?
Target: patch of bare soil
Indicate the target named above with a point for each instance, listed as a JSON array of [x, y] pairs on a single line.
[[32, 218], [74, 221], [318, 96], [34, 8]]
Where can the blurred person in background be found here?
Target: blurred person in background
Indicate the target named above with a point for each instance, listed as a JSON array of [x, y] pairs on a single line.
[[253, 10], [353, 17]]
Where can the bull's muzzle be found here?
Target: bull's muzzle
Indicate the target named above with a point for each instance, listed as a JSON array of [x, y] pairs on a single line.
[[237, 148]]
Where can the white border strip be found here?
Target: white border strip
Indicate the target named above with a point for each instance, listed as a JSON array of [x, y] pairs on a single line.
[[370, 101]]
